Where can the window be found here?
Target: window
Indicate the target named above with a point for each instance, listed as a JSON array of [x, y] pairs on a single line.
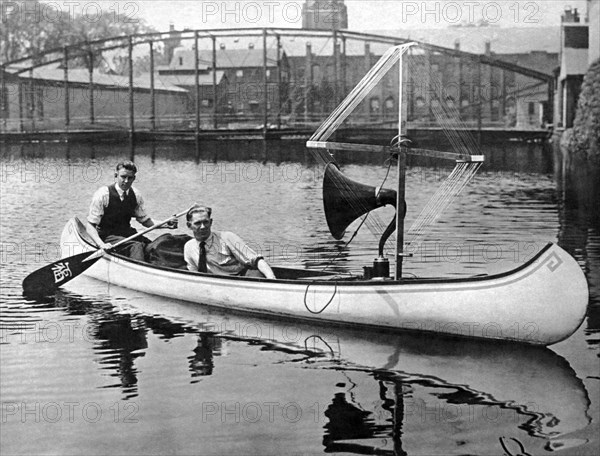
[[531, 108], [239, 73], [374, 107], [388, 107], [450, 102], [268, 74], [180, 61], [576, 37], [316, 74], [254, 106]]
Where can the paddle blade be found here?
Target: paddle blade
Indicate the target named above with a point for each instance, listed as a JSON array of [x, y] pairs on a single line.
[[46, 280]]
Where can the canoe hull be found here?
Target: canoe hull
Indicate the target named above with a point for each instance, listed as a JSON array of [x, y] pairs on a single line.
[[541, 303]]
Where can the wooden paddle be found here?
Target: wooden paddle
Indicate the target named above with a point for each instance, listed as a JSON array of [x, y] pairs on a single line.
[[46, 280]]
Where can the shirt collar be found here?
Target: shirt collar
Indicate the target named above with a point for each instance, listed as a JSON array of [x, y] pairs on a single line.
[[209, 241], [120, 191]]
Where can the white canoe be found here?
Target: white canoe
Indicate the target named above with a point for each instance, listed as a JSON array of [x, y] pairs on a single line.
[[541, 302]]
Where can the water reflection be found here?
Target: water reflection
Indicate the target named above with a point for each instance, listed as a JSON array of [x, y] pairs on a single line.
[[201, 362], [579, 215], [395, 383]]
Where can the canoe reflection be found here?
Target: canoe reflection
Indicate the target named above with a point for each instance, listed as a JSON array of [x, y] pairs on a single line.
[[537, 386]]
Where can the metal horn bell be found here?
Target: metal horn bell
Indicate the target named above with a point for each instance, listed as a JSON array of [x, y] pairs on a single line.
[[345, 200]]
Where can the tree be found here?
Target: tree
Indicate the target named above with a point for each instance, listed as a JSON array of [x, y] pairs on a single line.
[[584, 140], [30, 28]]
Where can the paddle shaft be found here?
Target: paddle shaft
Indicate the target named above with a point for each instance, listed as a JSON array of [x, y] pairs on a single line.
[[147, 230], [136, 235]]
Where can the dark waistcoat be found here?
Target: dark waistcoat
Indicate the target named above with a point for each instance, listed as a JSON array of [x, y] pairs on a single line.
[[117, 215]]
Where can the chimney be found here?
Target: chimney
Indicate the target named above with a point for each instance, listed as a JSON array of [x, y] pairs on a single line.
[[488, 47], [250, 45], [222, 46], [570, 15], [457, 44], [171, 27]]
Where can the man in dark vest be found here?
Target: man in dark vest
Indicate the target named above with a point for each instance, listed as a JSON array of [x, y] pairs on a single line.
[[112, 209]]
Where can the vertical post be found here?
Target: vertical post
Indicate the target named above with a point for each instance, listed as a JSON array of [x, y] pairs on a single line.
[[502, 112], [279, 88], [491, 91], [460, 84], [66, 85], [91, 85], [197, 88], [266, 85], [152, 91], [20, 96], [32, 99], [479, 103], [214, 81], [336, 65], [3, 98], [549, 117], [428, 88], [344, 67], [410, 88], [367, 67], [131, 93], [401, 179], [307, 80]]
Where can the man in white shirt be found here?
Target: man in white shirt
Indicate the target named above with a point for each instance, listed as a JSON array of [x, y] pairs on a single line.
[[112, 209], [219, 252]]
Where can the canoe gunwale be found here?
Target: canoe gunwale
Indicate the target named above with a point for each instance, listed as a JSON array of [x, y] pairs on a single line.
[[348, 280]]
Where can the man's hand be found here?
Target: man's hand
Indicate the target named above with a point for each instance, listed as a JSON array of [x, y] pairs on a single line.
[[106, 246], [172, 224]]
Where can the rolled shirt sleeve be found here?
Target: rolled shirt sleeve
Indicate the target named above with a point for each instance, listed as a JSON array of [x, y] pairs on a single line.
[[99, 202], [140, 211]]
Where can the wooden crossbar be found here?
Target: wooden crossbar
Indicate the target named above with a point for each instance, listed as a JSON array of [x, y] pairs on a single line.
[[387, 149]]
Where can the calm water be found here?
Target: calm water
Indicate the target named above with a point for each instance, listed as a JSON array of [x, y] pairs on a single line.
[[106, 370]]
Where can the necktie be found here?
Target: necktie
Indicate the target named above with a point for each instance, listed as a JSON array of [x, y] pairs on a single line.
[[202, 258]]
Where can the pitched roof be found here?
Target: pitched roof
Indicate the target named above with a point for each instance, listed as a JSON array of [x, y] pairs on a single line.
[[82, 76], [226, 58]]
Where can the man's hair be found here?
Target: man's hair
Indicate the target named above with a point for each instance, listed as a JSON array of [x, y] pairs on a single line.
[[128, 165], [200, 210]]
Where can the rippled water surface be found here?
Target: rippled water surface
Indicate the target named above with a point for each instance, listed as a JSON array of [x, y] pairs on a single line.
[[100, 369]]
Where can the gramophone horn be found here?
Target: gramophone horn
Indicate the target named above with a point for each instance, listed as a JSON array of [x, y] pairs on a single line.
[[345, 200]]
